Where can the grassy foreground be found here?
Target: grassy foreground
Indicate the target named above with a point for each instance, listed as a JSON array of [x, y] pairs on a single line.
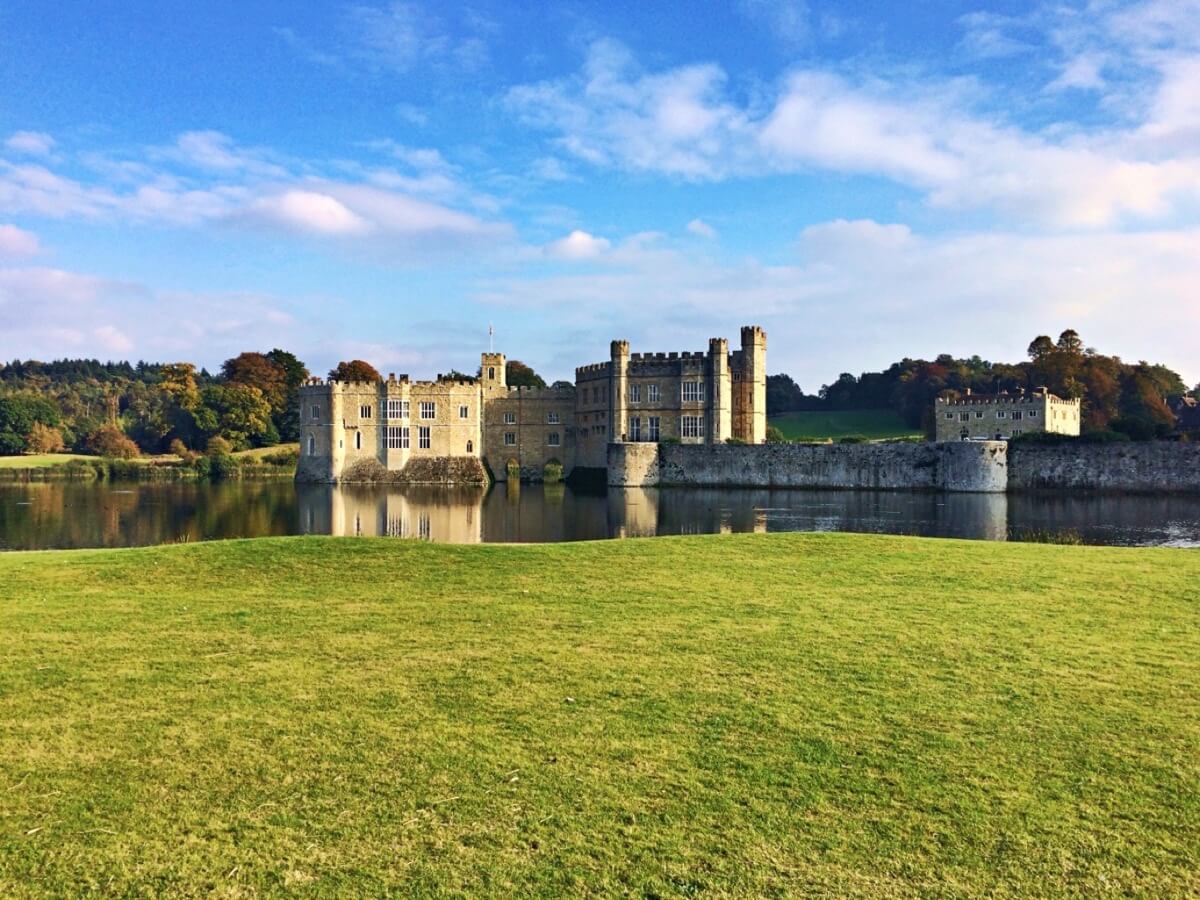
[[873, 424], [727, 715]]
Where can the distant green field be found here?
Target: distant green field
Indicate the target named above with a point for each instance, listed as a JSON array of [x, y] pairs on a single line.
[[874, 424], [38, 460]]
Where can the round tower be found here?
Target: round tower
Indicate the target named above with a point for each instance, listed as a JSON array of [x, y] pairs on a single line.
[[618, 409]]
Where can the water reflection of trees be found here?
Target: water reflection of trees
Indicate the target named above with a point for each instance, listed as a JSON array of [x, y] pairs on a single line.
[[50, 515]]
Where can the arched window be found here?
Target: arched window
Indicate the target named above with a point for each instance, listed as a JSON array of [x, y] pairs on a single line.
[[358, 440], [470, 446], [312, 446]]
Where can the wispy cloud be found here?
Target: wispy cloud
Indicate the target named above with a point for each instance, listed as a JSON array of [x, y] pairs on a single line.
[[925, 133], [30, 143], [206, 178], [16, 241]]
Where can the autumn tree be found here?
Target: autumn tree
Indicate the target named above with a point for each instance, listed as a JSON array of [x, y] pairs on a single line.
[[44, 439], [111, 441], [18, 415], [354, 370]]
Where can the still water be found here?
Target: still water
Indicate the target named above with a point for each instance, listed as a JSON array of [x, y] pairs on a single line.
[[60, 515]]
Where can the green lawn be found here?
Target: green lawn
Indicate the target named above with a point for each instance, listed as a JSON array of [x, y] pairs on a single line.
[[39, 460], [259, 452], [729, 715], [875, 424]]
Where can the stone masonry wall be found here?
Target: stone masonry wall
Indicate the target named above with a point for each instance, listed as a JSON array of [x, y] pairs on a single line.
[[1152, 467], [900, 466]]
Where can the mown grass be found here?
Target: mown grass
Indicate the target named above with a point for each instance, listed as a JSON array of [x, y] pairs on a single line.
[[727, 715], [39, 460], [872, 424], [257, 453]]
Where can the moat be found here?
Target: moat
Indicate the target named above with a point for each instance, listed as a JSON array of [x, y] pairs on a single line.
[[70, 515]]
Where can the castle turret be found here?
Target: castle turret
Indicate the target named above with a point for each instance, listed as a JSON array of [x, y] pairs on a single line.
[[492, 371], [720, 410], [618, 404], [750, 387]]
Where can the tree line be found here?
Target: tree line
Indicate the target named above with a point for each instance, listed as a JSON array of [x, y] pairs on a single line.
[[1121, 397], [123, 409]]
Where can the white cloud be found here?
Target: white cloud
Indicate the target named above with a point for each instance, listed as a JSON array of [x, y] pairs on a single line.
[[308, 211], [928, 135], [113, 339], [861, 294], [700, 228], [578, 245], [31, 143], [15, 241], [49, 313], [787, 20]]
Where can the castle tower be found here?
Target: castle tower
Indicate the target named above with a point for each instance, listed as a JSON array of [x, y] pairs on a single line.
[[492, 371], [754, 361], [618, 409], [720, 422]]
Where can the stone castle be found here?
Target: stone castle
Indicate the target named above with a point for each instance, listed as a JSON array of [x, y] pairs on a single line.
[[985, 417], [455, 431]]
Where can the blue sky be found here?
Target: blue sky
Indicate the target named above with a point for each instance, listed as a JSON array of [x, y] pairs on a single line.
[[383, 180]]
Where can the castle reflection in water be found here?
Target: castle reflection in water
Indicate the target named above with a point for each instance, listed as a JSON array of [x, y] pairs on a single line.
[[36, 516], [530, 513]]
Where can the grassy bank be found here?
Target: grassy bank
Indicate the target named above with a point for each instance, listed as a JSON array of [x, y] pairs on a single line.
[[834, 714], [872, 424], [256, 464]]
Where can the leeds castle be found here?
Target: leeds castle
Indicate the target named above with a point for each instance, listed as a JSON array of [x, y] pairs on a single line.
[[434, 431]]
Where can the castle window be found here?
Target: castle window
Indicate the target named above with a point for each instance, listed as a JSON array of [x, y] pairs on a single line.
[[552, 439], [510, 418], [364, 412], [964, 417], [358, 440], [693, 392], [397, 437], [397, 409], [652, 429], [1000, 414], [652, 393], [491, 373], [312, 446], [463, 412], [1033, 414], [423, 437], [949, 415], [635, 393], [1016, 432], [691, 426], [428, 410], [552, 418], [470, 446], [979, 414], [635, 429], [316, 412], [510, 439], [1016, 414]]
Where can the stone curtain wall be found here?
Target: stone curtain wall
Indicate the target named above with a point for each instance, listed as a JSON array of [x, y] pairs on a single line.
[[1154, 467], [1151, 467], [900, 466]]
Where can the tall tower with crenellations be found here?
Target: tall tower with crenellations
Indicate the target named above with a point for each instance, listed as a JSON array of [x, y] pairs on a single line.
[[750, 387]]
